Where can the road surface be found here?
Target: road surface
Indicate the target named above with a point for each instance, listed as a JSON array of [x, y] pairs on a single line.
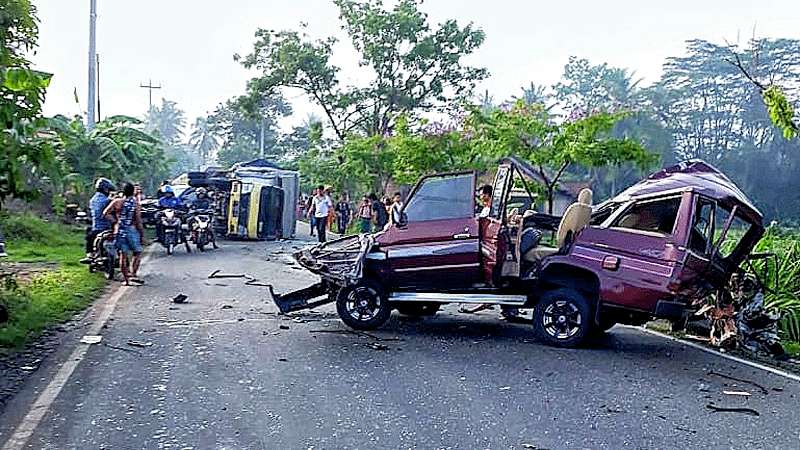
[[224, 371]]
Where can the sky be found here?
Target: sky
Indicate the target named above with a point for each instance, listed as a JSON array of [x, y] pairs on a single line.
[[187, 46]]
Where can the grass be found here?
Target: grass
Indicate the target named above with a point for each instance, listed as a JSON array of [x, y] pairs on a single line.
[[53, 295]]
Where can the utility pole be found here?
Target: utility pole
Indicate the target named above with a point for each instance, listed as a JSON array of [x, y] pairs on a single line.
[[99, 116], [149, 86], [261, 142], [90, 105]]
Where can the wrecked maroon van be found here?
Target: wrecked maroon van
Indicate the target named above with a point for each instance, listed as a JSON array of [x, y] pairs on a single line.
[[651, 251]]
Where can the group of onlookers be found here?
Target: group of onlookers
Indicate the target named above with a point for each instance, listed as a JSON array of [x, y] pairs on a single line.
[[372, 214]]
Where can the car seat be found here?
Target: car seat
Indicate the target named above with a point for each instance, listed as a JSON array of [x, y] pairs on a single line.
[[575, 219]]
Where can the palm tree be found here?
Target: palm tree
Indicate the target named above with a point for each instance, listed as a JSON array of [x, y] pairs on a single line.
[[168, 122], [534, 94], [204, 139]]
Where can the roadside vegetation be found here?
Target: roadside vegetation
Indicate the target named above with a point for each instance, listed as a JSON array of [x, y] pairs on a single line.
[[785, 243], [42, 283]]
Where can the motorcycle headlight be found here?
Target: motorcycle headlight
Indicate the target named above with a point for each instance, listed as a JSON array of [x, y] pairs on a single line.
[[169, 214]]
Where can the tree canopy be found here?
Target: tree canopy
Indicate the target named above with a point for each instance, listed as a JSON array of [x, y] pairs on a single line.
[[415, 67]]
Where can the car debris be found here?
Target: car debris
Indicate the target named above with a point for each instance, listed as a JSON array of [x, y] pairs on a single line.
[[748, 411], [738, 393], [91, 339], [133, 343], [180, 298], [760, 387]]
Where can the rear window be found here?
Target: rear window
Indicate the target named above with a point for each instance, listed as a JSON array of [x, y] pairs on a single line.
[[654, 216]]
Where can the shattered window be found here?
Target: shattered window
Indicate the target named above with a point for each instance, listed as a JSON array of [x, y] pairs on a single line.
[[442, 197], [657, 216], [739, 227], [701, 227]]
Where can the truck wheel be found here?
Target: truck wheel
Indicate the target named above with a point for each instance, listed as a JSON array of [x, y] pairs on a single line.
[[418, 309], [363, 306], [562, 318]]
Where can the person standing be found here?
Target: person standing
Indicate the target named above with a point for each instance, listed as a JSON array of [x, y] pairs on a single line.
[[322, 206], [396, 210], [126, 214], [312, 220], [379, 213], [365, 215], [343, 213]]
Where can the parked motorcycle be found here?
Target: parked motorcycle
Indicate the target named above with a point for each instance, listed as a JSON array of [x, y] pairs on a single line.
[[173, 231], [105, 257], [200, 227]]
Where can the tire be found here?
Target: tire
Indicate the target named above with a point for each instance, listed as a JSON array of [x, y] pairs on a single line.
[[418, 309], [562, 318], [169, 249], [363, 306], [201, 247], [110, 267]]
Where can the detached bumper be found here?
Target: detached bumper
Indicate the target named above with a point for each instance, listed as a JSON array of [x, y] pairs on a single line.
[[303, 298]]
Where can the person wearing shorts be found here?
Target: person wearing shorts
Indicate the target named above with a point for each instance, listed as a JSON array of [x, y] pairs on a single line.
[[126, 214]]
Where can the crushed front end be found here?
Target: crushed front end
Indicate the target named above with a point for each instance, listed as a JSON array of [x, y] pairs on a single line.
[[338, 263]]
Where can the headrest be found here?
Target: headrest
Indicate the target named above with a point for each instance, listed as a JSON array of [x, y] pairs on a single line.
[[585, 197]]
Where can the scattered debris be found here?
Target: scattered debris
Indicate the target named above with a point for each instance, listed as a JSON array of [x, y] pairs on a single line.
[[140, 344], [739, 393], [283, 327], [28, 368], [688, 430], [91, 339], [283, 359], [124, 349], [741, 380], [532, 447], [749, 411], [615, 410], [505, 388], [479, 308], [180, 298], [217, 274], [359, 333], [226, 307], [377, 346]]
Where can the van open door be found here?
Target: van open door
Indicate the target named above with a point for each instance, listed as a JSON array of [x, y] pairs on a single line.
[[494, 238]]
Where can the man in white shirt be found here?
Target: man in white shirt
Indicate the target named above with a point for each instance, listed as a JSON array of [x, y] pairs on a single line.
[[322, 204]]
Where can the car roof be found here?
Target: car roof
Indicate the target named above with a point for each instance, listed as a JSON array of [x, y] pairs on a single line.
[[695, 176]]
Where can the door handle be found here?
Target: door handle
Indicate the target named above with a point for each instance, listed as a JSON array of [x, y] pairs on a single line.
[[461, 236]]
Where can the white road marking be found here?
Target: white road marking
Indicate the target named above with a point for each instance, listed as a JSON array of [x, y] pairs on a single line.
[[22, 434], [753, 364]]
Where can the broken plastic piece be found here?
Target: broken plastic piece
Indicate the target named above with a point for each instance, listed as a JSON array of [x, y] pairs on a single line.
[[91, 339]]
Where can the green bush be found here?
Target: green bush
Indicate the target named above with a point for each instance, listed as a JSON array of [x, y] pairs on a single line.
[[785, 243]]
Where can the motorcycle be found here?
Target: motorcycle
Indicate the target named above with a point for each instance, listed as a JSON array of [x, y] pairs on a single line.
[[105, 256], [201, 232], [172, 231]]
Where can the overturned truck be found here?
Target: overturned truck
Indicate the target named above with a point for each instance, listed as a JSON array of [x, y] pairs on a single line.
[[650, 252]]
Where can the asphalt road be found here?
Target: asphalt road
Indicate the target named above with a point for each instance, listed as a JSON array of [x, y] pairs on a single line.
[[224, 371]]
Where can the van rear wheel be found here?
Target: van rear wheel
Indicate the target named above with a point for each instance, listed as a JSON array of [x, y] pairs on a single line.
[[562, 318]]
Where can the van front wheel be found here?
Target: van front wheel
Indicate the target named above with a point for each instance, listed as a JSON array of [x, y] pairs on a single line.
[[363, 306], [562, 318]]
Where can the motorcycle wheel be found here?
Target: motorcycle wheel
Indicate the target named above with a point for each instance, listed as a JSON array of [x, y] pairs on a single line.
[[201, 247], [169, 249], [109, 268]]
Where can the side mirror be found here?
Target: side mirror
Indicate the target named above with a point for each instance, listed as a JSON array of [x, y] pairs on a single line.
[[403, 220]]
